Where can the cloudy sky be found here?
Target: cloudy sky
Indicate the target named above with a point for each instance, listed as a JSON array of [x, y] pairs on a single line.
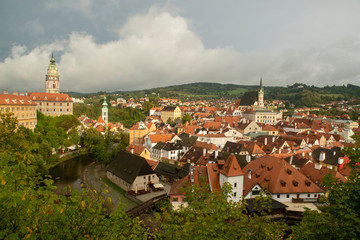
[[111, 45]]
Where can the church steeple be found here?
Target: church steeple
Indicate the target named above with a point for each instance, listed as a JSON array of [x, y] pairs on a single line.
[[52, 84], [105, 112], [261, 95]]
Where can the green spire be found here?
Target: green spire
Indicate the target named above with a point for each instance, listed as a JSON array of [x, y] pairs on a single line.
[[104, 103]]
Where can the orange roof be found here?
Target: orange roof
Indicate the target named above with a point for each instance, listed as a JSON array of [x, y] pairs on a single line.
[[54, 97], [8, 99], [213, 173], [100, 120], [278, 176], [231, 167], [160, 137], [137, 149], [153, 164]]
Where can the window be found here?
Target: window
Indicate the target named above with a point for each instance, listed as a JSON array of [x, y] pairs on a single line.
[[308, 195], [287, 195], [278, 196], [234, 194], [235, 185], [257, 192]]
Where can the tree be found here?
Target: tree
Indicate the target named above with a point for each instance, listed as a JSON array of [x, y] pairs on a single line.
[[147, 106], [340, 220], [210, 215], [30, 210], [186, 118]]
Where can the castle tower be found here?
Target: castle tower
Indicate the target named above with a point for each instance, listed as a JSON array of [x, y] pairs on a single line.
[[52, 77], [105, 112], [261, 95]]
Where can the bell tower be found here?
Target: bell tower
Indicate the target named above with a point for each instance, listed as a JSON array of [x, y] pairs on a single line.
[[261, 95], [105, 112], [52, 77]]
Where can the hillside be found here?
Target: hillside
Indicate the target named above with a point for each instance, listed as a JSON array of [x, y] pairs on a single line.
[[298, 94]]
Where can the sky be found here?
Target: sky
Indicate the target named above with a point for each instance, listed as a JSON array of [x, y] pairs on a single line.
[[117, 45]]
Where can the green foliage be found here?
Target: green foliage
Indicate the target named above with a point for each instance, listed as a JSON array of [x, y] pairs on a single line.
[[186, 118], [210, 215], [147, 106], [30, 210], [340, 220]]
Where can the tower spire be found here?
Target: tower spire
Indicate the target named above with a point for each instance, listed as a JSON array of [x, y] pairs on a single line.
[[52, 77], [261, 86]]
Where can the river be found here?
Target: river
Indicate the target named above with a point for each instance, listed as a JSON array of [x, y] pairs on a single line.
[[68, 173]]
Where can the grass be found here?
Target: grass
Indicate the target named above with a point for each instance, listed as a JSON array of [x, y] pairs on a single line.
[[114, 186], [237, 91]]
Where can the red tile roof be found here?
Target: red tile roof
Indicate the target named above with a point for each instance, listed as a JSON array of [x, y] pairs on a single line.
[[231, 167], [8, 99], [54, 97]]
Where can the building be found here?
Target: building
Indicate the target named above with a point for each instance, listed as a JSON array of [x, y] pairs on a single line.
[[131, 172], [170, 112], [52, 83], [139, 130], [104, 112], [253, 98], [52, 104], [263, 116], [23, 108]]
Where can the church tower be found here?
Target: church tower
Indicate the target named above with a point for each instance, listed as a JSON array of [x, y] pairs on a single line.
[[52, 77], [105, 112], [261, 95]]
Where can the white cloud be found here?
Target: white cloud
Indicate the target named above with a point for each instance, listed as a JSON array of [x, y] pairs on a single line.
[[159, 49]]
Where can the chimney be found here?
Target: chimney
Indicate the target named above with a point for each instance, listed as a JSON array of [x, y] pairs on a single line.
[[307, 140], [265, 140], [279, 150], [334, 153], [317, 166], [192, 173], [132, 150], [249, 173], [273, 139], [15, 93], [291, 159], [303, 154], [340, 160], [216, 154], [204, 152], [248, 158]]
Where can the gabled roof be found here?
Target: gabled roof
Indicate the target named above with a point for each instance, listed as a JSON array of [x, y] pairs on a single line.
[[136, 148], [233, 147], [171, 170], [199, 172], [277, 176], [231, 167], [128, 166], [331, 155], [187, 140]]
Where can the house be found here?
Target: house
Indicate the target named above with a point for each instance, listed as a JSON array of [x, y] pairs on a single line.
[[52, 104], [329, 158], [139, 150], [248, 127], [139, 130], [131, 172], [168, 150], [23, 108], [170, 112], [282, 181]]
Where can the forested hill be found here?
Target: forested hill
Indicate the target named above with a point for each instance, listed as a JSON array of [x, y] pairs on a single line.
[[299, 94]]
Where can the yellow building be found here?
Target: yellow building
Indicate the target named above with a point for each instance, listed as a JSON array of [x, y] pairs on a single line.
[[170, 112], [23, 108], [138, 131], [52, 104]]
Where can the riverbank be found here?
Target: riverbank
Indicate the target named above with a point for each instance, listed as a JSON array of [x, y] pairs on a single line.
[[93, 177], [66, 156]]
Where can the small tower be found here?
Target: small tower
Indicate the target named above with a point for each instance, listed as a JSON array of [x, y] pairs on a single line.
[[261, 95], [105, 112], [52, 77]]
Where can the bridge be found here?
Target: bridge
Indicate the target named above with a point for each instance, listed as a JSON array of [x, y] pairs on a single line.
[[143, 207]]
